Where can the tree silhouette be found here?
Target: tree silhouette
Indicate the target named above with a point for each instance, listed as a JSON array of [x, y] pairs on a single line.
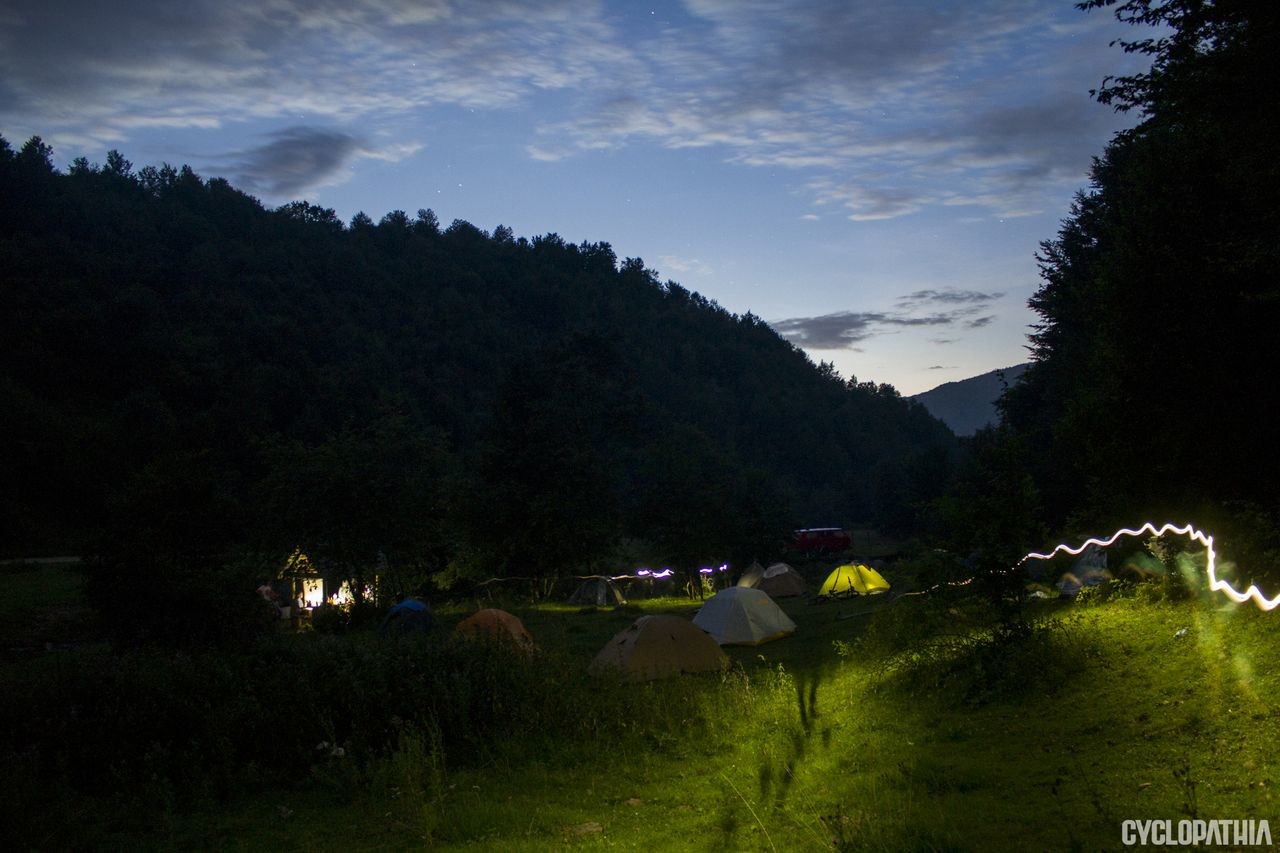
[[1159, 295]]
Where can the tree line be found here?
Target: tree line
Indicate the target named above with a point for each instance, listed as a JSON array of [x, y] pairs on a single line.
[[191, 377], [1150, 394]]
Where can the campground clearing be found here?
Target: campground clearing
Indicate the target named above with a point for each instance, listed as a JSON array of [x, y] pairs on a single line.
[[879, 725]]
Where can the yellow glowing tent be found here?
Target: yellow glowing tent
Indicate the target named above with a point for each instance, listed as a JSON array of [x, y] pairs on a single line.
[[853, 580]]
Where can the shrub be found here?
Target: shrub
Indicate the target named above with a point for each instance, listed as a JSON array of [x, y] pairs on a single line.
[[181, 604], [964, 648], [170, 726], [330, 619]]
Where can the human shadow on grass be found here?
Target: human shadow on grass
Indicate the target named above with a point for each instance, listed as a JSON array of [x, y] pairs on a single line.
[[800, 669]]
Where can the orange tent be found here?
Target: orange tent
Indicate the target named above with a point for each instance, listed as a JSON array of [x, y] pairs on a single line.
[[497, 625], [659, 647]]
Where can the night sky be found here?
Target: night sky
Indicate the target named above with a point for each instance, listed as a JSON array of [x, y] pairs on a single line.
[[873, 178]]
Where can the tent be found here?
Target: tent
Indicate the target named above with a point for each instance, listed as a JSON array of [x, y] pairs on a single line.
[[600, 591], [658, 647], [410, 616], [853, 580], [1070, 584], [496, 625], [741, 616], [752, 576], [778, 581]]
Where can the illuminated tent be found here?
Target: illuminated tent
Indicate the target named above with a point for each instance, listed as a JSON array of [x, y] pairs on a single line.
[[658, 647], [410, 616], [497, 625], [741, 616], [778, 581], [853, 580], [600, 591]]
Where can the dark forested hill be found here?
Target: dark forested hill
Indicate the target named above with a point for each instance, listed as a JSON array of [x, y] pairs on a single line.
[[186, 370], [968, 405]]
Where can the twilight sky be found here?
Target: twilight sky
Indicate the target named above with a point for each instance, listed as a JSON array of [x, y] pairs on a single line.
[[870, 176]]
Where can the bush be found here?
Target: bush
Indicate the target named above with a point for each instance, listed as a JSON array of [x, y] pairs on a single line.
[[964, 648], [180, 604], [330, 619], [172, 726]]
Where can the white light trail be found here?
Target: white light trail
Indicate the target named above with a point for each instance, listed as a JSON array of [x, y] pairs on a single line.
[[1215, 583]]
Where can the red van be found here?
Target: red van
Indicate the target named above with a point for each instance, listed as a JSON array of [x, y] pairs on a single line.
[[821, 540]]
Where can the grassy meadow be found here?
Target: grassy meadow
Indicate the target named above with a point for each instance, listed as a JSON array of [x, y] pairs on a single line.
[[907, 724]]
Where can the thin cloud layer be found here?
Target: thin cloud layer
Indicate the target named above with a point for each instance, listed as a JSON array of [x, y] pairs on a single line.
[[946, 297], [962, 309], [881, 109], [87, 69]]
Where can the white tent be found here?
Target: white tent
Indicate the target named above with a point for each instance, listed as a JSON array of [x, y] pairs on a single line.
[[743, 616], [778, 581]]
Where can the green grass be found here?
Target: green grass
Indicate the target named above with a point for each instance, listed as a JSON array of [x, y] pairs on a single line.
[[912, 731]]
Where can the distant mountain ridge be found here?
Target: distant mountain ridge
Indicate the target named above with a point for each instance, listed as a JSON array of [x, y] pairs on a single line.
[[968, 405]]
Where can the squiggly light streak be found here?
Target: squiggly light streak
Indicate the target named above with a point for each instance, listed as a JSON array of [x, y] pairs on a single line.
[[648, 574], [1215, 583]]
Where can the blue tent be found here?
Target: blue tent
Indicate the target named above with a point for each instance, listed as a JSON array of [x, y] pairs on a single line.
[[410, 616]]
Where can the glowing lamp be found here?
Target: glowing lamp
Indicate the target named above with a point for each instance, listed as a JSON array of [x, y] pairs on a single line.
[[313, 591]]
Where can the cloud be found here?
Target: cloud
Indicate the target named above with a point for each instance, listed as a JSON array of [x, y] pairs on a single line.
[[298, 159], [881, 109], [684, 265], [844, 329], [946, 296], [295, 160], [868, 202], [94, 70], [929, 308], [889, 108], [841, 330]]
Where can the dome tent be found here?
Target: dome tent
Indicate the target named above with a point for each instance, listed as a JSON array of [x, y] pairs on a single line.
[[853, 580], [600, 591], [778, 581], [752, 576], [743, 616], [658, 647], [497, 625], [410, 616]]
